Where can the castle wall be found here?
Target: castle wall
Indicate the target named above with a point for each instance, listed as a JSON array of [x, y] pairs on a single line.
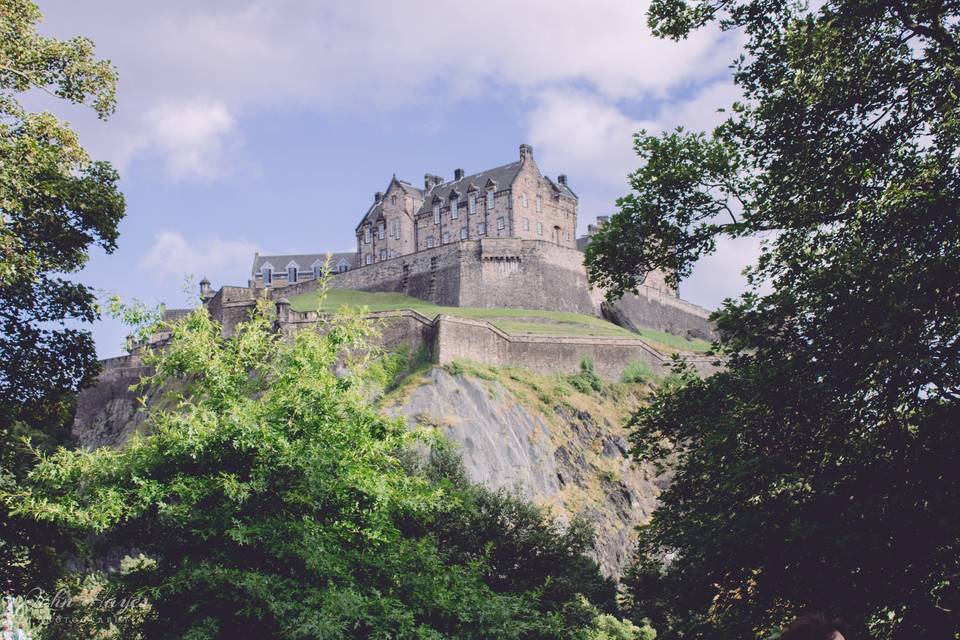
[[464, 339], [663, 311]]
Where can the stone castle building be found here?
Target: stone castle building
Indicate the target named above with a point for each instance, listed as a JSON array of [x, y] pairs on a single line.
[[511, 202]]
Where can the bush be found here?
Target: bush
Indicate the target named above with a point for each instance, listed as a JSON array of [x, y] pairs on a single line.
[[638, 372]]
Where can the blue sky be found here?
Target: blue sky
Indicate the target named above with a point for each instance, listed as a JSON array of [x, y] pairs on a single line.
[[249, 125]]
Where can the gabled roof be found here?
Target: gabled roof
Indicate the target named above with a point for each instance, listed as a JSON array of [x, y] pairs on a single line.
[[501, 176], [304, 260]]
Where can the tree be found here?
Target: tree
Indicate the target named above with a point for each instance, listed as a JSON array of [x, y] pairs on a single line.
[[269, 499], [821, 469], [55, 203]]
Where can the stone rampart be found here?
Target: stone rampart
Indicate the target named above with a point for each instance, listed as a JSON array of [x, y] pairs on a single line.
[[463, 339]]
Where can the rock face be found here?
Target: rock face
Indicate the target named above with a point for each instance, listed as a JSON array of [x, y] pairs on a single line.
[[108, 413], [568, 459], [563, 450]]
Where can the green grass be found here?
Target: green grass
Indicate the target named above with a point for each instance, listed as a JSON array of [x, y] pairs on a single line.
[[512, 321]]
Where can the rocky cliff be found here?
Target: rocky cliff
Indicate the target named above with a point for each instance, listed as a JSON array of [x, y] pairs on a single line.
[[556, 439]]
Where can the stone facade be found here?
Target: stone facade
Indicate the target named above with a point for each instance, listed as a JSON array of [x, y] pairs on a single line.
[[387, 229]]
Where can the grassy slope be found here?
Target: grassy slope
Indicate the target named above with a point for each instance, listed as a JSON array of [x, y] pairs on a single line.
[[513, 321]]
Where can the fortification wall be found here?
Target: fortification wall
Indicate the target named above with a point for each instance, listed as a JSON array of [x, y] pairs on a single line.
[[660, 310], [397, 329], [511, 273], [463, 339]]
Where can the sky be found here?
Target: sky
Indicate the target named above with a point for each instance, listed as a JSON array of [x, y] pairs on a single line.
[[268, 125]]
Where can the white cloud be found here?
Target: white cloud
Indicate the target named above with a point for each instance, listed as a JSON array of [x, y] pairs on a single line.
[[173, 257], [204, 61], [192, 137], [585, 136]]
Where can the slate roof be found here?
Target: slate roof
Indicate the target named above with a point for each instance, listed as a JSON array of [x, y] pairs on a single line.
[[303, 260], [502, 176]]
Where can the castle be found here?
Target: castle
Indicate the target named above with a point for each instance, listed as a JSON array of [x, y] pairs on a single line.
[[502, 238]]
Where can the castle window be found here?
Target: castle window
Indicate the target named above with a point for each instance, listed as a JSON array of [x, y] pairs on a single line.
[[380, 231], [501, 223], [471, 204], [539, 228], [454, 208], [383, 254], [343, 266], [366, 235], [490, 199], [526, 224], [436, 214], [396, 229], [369, 259], [463, 233], [539, 203], [393, 199], [316, 271], [291, 274], [446, 237], [523, 199], [267, 275], [429, 242], [482, 229]]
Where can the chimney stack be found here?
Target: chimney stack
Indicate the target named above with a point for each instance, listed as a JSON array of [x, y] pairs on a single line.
[[378, 196], [562, 179], [458, 174], [526, 151], [430, 181]]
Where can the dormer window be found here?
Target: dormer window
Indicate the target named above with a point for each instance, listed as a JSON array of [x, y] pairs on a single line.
[[317, 270], [436, 213], [454, 207], [267, 275], [490, 199], [292, 273], [471, 204]]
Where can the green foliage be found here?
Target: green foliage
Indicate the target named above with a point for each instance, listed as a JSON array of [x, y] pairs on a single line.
[[607, 627], [586, 380], [390, 369], [55, 203], [819, 471], [638, 372], [271, 500]]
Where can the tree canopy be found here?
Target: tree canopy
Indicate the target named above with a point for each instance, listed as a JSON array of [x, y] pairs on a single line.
[[821, 469], [270, 499], [55, 205]]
